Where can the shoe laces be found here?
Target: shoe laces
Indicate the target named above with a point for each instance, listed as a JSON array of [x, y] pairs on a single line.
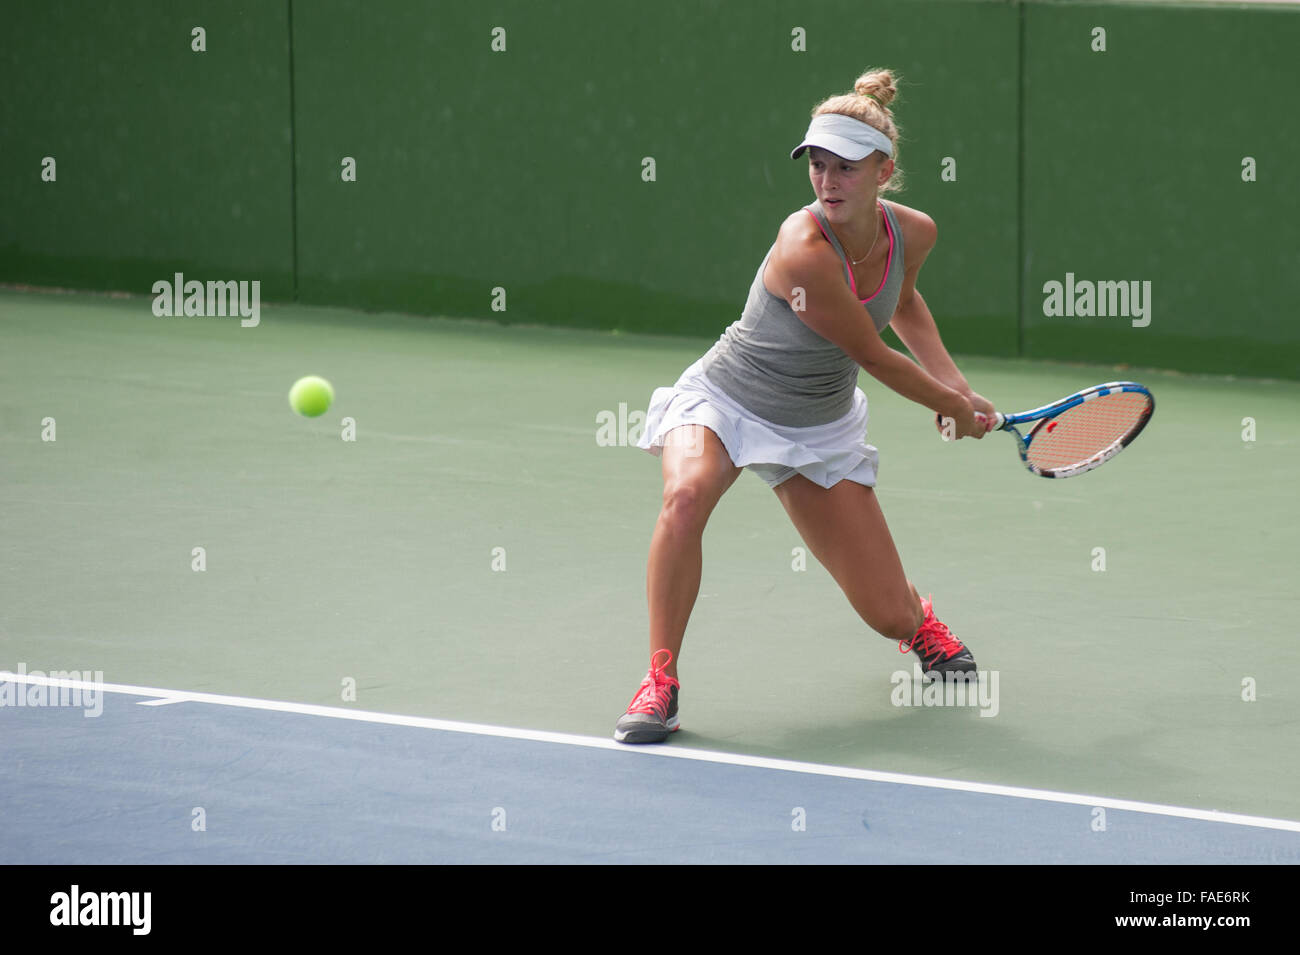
[[655, 692], [934, 638]]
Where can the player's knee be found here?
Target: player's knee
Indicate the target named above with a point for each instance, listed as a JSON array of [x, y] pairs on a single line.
[[687, 505]]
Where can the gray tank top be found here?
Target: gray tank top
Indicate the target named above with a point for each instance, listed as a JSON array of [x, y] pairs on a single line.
[[773, 364]]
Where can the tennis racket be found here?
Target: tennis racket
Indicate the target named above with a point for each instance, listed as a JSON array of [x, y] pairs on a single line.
[[1077, 434]]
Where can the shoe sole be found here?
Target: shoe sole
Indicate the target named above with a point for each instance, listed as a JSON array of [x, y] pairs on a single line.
[[940, 673], [647, 734]]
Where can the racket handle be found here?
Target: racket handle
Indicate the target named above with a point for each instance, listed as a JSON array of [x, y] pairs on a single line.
[[993, 422]]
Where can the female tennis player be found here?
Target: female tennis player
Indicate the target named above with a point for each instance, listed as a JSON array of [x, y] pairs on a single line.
[[778, 394]]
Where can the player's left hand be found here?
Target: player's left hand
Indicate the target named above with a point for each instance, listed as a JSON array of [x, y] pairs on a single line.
[[981, 404], [984, 411]]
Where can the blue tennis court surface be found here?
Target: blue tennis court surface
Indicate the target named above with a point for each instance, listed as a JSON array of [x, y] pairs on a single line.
[[195, 781]]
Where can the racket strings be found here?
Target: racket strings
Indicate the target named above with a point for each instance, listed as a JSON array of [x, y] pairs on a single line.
[[1087, 429]]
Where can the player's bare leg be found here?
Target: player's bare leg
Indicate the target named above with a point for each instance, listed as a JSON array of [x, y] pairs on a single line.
[[845, 529], [697, 471]]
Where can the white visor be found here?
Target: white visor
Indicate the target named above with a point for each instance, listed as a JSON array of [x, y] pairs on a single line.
[[844, 136]]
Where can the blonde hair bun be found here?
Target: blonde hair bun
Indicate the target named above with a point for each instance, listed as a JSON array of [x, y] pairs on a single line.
[[879, 85]]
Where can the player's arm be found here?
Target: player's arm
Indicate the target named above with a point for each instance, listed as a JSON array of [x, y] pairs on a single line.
[[914, 324], [811, 278]]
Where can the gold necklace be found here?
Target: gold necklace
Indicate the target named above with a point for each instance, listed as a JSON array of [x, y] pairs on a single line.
[[873, 241]]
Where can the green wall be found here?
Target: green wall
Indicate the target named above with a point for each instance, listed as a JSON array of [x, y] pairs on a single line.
[[166, 160], [1133, 170], [521, 169]]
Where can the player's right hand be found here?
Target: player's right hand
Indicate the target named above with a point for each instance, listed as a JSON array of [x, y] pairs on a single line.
[[966, 423]]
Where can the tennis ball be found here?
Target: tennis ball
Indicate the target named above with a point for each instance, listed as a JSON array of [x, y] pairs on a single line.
[[311, 396]]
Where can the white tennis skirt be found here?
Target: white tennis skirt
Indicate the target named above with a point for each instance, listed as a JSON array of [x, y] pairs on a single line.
[[825, 454]]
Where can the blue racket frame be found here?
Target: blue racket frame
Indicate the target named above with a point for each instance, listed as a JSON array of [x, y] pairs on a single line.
[[1046, 413]]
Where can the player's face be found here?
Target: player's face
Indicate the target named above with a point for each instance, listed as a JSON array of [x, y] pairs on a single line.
[[846, 188]]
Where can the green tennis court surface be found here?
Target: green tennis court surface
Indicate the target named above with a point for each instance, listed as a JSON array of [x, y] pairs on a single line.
[[477, 554]]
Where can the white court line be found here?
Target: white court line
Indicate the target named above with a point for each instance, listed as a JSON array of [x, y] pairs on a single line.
[[163, 702], [161, 696]]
